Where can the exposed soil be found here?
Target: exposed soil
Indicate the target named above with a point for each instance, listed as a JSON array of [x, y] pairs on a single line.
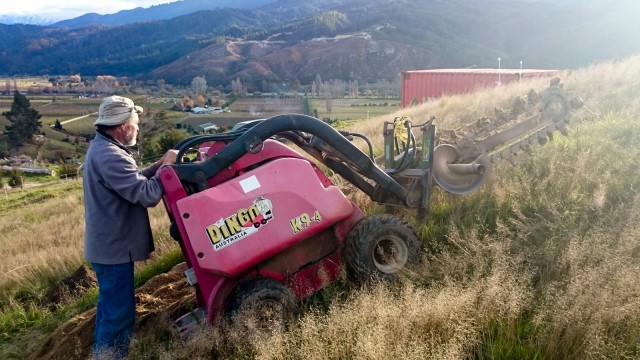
[[76, 284], [162, 299]]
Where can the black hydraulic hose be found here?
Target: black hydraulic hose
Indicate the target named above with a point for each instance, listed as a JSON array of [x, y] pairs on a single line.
[[199, 173], [411, 142], [412, 155], [368, 144]]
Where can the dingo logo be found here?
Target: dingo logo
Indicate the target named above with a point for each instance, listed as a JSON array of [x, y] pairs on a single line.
[[243, 223]]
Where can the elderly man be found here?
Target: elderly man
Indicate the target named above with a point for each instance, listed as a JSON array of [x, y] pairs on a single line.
[[116, 197]]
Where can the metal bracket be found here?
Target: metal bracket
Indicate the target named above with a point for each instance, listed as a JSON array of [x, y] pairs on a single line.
[[191, 276]]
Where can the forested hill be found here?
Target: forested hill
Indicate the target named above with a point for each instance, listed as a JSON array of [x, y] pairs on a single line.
[[158, 12], [289, 39]]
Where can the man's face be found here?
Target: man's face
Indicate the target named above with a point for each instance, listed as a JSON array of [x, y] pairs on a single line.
[[130, 131]]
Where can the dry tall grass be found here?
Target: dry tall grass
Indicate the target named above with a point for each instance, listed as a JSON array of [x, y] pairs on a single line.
[[41, 241]]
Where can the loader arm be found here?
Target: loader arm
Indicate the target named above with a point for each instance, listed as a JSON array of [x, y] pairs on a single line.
[[350, 162]]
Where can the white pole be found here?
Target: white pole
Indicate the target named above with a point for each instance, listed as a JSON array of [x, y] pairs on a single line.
[[520, 79]]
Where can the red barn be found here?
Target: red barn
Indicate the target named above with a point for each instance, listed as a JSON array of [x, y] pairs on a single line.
[[418, 86]]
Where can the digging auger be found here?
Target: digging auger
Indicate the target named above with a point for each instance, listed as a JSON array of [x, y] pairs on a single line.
[[462, 161]]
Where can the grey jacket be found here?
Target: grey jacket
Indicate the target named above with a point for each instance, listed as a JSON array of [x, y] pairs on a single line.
[[116, 197]]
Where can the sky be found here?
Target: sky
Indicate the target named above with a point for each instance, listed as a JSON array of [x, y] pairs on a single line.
[[68, 9]]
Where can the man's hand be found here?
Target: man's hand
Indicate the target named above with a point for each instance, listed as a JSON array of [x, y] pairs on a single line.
[[168, 158]]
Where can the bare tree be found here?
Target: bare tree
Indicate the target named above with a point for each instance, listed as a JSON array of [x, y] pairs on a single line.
[[383, 88], [337, 88], [329, 102], [318, 83], [105, 84], [354, 89], [239, 86], [199, 85]]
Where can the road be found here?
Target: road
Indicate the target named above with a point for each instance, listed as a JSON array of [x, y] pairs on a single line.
[[78, 118]]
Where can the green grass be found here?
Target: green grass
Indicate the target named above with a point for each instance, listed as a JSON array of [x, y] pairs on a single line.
[[354, 109], [20, 319], [510, 340], [159, 266], [20, 198]]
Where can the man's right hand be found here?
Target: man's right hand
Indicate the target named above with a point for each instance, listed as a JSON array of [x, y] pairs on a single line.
[[168, 158]]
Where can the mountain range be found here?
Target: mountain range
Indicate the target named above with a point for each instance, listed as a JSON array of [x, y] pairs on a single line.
[[282, 41]]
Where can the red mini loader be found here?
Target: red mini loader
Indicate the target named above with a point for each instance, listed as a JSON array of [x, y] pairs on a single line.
[[261, 226]]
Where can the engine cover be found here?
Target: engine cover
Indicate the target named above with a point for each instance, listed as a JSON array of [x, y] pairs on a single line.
[[240, 223]]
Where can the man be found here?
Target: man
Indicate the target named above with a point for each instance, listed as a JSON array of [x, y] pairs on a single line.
[[116, 197]]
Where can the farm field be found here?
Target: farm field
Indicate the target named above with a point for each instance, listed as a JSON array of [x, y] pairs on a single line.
[[223, 120], [354, 109], [70, 108], [66, 107], [248, 108], [57, 107], [267, 106], [77, 116], [23, 83]]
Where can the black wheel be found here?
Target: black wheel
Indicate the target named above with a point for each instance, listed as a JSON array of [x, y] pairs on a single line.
[[380, 246], [260, 307]]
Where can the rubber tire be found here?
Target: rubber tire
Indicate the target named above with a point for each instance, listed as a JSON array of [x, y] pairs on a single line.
[[385, 232], [261, 306]]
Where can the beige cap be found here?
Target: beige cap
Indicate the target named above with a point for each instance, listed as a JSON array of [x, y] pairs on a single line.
[[116, 110]]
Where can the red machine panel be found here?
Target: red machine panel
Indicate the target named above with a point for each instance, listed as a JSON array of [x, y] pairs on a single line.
[[267, 209]]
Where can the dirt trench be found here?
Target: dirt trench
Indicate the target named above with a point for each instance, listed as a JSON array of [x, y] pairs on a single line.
[[163, 298]]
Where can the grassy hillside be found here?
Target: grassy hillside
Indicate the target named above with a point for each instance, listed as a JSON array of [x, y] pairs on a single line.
[[542, 262]]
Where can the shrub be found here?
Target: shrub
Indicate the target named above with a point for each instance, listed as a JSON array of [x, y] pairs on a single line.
[[68, 170], [15, 177], [4, 149]]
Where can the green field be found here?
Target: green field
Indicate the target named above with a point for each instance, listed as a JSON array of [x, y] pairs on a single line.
[[68, 108], [24, 83], [354, 109]]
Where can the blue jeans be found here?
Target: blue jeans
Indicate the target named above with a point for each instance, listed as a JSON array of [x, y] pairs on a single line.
[[116, 310]]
